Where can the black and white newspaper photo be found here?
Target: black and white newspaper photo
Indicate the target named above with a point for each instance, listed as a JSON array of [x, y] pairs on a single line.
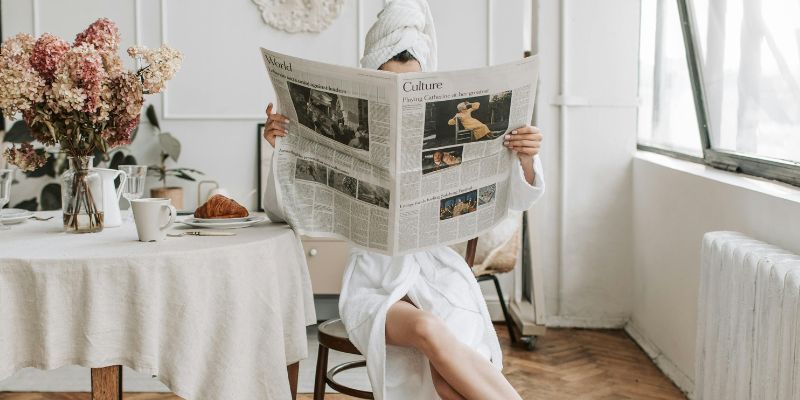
[[396, 163]]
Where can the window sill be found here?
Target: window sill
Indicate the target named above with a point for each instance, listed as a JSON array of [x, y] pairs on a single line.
[[747, 182]]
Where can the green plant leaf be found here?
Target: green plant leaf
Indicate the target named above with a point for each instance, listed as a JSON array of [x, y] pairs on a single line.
[[134, 132], [116, 159], [170, 145], [19, 133], [51, 197], [99, 156], [152, 117], [30, 204], [183, 175], [158, 171], [192, 170]]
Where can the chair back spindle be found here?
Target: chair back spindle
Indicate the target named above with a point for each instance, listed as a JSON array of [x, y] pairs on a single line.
[[469, 257]]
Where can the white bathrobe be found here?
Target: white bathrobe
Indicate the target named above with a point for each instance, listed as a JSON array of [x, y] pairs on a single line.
[[437, 280]]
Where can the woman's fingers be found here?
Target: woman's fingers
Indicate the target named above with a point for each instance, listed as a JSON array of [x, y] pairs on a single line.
[[526, 129], [275, 116], [279, 117], [530, 151], [272, 115], [271, 134], [524, 136], [274, 124], [523, 143], [526, 140], [277, 132]]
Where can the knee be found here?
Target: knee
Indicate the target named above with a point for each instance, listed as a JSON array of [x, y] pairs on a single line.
[[430, 334]]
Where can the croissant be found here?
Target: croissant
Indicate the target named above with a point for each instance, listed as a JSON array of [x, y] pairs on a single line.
[[219, 206]]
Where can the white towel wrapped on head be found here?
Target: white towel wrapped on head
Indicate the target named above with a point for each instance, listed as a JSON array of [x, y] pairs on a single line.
[[402, 25]]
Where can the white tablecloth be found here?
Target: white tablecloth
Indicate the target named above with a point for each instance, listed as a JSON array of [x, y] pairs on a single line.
[[211, 317]]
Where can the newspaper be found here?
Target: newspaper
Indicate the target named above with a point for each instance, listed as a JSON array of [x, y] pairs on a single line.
[[396, 163]]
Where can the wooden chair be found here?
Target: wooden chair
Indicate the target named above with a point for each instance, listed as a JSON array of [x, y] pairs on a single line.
[[333, 336]]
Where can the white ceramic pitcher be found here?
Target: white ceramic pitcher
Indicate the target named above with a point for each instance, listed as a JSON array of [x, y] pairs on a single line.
[[112, 216]]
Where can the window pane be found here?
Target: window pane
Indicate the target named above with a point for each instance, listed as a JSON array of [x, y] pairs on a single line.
[[751, 72], [667, 117]]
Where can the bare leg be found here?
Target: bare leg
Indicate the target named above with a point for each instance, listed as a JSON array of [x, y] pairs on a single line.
[[445, 391], [466, 371]]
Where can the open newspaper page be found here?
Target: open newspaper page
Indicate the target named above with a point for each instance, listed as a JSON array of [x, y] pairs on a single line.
[[452, 168], [396, 163], [333, 170]]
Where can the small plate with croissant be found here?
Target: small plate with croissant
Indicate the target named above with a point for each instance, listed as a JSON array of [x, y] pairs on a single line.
[[221, 212]]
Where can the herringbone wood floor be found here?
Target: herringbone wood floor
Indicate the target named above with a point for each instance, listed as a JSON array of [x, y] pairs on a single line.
[[568, 364]]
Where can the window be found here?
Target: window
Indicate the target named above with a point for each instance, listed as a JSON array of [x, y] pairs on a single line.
[[667, 116], [740, 60]]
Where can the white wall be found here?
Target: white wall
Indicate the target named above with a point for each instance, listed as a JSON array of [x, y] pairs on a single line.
[[675, 203], [583, 224]]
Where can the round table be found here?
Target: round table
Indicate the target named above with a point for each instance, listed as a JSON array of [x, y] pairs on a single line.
[[211, 317]]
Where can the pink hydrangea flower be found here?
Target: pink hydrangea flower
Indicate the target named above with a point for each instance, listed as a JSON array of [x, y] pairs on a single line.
[[127, 100], [20, 85], [161, 65], [128, 95], [47, 53], [25, 157], [18, 48], [78, 81], [102, 34], [120, 135]]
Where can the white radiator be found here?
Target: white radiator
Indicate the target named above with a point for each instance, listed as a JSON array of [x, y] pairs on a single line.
[[748, 334]]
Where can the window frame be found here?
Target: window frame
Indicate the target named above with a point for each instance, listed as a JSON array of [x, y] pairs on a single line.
[[764, 167]]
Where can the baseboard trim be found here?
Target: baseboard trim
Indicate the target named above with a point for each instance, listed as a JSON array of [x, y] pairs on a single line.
[[563, 321], [663, 362]]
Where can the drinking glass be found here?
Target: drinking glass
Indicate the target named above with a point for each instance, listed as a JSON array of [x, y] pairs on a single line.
[[6, 176], [134, 186]]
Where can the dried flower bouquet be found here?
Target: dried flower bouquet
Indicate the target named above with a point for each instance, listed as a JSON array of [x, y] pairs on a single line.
[[78, 97]]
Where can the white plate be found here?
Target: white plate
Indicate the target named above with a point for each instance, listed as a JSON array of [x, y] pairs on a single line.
[[220, 220], [13, 212], [13, 216], [251, 220]]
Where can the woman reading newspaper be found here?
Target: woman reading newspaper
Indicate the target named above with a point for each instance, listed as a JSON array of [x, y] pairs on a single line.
[[420, 319]]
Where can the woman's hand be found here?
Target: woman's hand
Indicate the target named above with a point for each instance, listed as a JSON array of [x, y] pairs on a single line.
[[275, 125], [525, 142]]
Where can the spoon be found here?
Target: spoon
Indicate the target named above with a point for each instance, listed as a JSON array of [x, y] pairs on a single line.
[[201, 233]]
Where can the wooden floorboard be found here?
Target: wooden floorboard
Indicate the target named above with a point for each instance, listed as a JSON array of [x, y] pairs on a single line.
[[567, 364]]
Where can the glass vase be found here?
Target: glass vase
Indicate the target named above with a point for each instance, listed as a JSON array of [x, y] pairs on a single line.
[[82, 197]]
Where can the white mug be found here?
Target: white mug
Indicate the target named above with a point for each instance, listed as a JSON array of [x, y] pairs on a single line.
[[149, 215]]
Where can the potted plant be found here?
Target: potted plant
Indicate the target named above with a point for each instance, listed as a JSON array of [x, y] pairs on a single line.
[[170, 148], [78, 99]]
